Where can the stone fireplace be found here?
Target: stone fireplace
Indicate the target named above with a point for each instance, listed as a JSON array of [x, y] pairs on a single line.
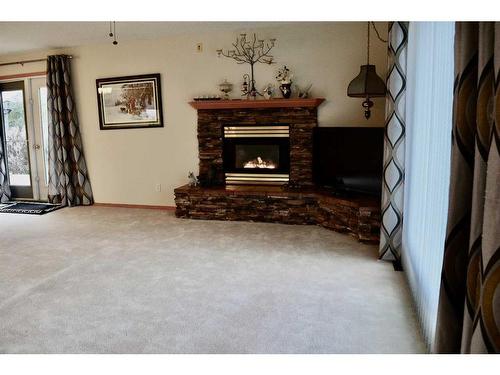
[[218, 119], [256, 164]]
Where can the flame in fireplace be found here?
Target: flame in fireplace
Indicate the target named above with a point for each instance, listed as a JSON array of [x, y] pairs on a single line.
[[259, 163]]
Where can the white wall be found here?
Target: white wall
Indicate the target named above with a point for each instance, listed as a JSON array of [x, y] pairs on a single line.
[[125, 165]]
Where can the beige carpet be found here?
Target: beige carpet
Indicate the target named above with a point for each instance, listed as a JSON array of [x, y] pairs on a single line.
[[113, 280]]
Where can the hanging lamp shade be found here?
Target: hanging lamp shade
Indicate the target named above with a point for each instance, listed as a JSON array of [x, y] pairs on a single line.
[[367, 84]]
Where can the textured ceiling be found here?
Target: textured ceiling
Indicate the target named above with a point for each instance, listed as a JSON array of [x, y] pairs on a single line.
[[17, 37]]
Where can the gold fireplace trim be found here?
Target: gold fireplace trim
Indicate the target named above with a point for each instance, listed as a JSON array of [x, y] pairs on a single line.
[[257, 179], [280, 131]]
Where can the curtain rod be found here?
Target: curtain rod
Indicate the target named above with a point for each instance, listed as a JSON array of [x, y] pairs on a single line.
[[27, 61]]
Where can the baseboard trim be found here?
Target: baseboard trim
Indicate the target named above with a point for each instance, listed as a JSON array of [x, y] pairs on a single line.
[[144, 206]]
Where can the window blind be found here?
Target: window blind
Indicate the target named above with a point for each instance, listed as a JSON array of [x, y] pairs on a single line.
[[430, 70]]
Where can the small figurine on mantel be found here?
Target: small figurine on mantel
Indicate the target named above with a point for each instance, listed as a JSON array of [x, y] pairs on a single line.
[[303, 93], [284, 77], [268, 91], [248, 88], [193, 180]]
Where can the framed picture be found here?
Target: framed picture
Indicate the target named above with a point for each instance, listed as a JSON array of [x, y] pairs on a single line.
[[129, 102]]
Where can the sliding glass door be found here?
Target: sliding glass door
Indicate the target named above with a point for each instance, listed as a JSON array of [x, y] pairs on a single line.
[[25, 125], [16, 139], [38, 90]]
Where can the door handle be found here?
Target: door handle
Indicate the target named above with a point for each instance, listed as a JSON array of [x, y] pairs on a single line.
[[36, 147]]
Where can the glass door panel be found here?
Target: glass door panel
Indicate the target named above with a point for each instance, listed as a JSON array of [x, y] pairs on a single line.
[[42, 95], [16, 139], [40, 136]]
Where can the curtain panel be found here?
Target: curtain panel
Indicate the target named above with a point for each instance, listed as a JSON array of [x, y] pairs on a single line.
[[4, 178], [469, 304], [68, 177], [394, 144]]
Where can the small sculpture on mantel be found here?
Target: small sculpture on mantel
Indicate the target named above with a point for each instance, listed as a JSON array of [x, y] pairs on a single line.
[[193, 180], [303, 93], [245, 86], [268, 91]]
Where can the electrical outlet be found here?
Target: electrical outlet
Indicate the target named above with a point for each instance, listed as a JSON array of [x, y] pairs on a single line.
[[199, 47], [158, 187]]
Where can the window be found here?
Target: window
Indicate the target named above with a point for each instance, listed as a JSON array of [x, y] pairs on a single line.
[[428, 148], [16, 137]]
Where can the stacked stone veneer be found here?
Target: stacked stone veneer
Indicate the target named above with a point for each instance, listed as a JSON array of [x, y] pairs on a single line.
[[301, 121], [301, 205], [359, 217]]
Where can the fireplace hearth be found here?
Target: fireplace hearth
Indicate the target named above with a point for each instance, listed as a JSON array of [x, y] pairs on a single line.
[[247, 143], [256, 155]]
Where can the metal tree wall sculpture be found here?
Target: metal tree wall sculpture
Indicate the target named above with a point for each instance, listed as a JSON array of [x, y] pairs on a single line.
[[250, 52]]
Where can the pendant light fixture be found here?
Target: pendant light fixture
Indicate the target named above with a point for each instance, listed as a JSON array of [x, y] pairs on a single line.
[[112, 32], [367, 84]]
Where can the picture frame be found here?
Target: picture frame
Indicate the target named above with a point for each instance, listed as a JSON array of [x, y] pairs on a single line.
[[130, 102]]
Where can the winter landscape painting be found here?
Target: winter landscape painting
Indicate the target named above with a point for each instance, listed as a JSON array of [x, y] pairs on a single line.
[[129, 102]]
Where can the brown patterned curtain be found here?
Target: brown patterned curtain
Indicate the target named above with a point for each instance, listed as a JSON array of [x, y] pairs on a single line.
[[68, 177], [469, 304]]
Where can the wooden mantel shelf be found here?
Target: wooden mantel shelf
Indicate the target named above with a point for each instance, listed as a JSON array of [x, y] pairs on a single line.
[[262, 103]]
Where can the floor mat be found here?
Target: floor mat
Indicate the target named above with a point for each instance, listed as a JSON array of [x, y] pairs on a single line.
[[31, 208]]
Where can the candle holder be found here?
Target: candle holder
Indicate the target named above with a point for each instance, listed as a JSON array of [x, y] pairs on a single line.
[[250, 52]]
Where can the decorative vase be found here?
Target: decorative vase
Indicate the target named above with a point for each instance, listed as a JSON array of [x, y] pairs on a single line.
[[286, 90], [226, 88]]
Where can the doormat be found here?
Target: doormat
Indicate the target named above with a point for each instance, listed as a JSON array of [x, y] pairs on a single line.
[[30, 208]]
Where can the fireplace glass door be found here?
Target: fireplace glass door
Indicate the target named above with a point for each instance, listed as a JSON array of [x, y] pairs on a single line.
[[257, 154]]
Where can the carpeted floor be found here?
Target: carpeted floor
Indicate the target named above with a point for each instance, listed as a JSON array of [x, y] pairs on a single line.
[[114, 280]]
